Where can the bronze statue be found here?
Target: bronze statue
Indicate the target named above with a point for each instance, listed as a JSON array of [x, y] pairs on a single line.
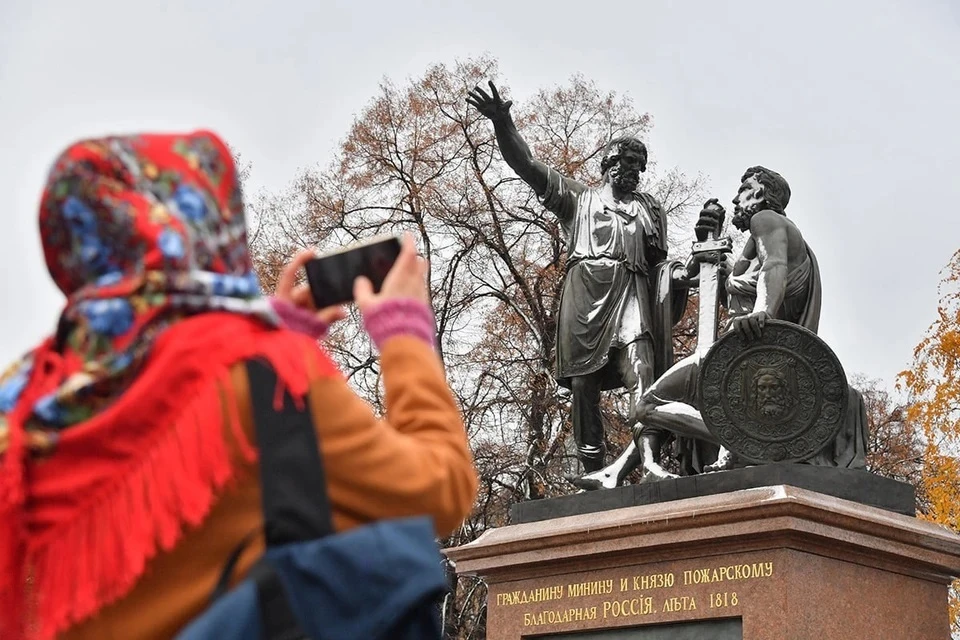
[[619, 302], [775, 277]]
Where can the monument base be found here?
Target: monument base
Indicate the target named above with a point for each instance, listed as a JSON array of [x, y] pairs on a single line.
[[849, 484], [767, 563]]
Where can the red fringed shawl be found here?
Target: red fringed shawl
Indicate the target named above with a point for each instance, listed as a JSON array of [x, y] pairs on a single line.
[[122, 487], [111, 436]]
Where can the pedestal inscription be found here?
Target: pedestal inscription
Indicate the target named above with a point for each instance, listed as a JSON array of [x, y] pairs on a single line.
[[689, 590]]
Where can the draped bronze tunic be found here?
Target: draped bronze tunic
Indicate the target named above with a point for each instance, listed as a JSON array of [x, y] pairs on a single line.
[[613, 249]]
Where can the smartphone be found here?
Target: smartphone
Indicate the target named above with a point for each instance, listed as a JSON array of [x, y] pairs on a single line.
[[331, 275]]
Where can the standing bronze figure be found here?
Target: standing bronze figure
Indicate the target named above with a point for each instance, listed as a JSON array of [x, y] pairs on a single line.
[[619, 302]]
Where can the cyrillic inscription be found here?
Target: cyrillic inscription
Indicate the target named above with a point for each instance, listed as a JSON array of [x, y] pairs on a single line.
[[636, 606], [594, 588], [526, 596], [732, 572], [559, 616], [647, 582], [642, 606]]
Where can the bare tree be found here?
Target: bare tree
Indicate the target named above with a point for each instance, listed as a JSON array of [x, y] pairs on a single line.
[[417, 159], [894, 445]]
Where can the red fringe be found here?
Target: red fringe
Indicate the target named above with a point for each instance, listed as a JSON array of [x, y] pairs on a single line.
[[13, 530], [91, 550], [98, 557], [12, 533]]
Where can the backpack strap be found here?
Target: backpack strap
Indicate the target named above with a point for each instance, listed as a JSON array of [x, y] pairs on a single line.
[[277, 620], [296, 507], [293, 497]]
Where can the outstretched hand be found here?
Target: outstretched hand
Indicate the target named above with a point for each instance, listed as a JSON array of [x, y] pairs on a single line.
[[490, 105], [299, 294]]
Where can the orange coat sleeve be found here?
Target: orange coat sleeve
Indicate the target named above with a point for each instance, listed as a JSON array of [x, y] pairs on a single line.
[[414, 461]]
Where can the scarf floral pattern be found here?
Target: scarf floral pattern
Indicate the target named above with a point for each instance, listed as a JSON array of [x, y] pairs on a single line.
[[138, 233]]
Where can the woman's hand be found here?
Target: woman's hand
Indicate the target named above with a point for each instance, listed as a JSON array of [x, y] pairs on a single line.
[[299, 294], [407, 280]]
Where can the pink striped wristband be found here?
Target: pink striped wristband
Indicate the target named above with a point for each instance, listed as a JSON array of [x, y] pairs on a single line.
[[400, 317], [299, 320]]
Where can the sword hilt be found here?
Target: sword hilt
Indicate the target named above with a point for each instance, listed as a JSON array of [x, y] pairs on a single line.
[[712, 249], [709, 253]]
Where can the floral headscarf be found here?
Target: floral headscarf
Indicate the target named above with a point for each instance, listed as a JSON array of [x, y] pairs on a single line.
[[126, 403], [138, 232]]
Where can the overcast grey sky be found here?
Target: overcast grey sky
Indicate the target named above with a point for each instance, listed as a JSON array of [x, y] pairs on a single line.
[[855, 102]]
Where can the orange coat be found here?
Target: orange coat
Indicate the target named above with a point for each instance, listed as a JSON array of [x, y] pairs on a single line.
[[414, 461]]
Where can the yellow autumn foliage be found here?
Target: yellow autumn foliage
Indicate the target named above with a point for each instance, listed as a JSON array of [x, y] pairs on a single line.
[[933, 384]]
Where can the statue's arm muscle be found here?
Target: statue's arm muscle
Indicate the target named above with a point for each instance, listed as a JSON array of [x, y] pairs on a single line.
[[769, 230], [517, 155]]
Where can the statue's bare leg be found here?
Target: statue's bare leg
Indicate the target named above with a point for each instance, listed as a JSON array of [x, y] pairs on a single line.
[[668, 406], [635, 363], [651, 444], [647, 454], [678, 417]]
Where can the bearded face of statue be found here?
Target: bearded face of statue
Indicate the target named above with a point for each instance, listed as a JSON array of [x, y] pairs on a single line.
[[771, 395], [748, 201], [625, 174]]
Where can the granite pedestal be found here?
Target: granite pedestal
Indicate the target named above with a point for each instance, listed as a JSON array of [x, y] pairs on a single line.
[[769, 563]]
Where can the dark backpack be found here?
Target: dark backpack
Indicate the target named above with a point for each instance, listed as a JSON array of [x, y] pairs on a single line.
[[383, 580]]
